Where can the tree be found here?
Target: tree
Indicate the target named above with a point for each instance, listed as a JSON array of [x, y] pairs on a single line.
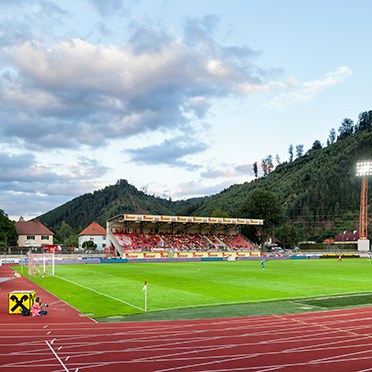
[[287, 234], [261, 204], [299, 150], [255, 169], [8, 232], [290, 152], [267, 165], [220, 213], [277, 159], [316, 145], [365, 120], [89, 244], [346, 128], [71, 242], [64, 231], [264, 167], [332, 136], [269, 162]]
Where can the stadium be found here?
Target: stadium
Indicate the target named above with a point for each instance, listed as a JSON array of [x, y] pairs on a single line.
[[186, 293]]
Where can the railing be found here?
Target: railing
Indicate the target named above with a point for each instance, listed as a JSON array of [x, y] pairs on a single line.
[[119, 249]]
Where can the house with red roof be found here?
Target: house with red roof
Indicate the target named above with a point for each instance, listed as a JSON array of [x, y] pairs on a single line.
[[347, 237], [33, 234], [94, 233]]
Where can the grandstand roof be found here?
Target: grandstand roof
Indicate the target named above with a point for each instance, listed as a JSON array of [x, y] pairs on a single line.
[[186, 219], [179, 223]]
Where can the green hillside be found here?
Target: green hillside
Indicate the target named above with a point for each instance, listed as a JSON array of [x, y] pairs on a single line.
[[318, 191], [111, 201], [322, 182]]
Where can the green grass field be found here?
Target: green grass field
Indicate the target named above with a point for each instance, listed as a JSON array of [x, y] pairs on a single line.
[[210, 289]]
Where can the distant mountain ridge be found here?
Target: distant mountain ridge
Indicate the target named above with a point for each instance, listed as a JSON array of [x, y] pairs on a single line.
[[111, 201]]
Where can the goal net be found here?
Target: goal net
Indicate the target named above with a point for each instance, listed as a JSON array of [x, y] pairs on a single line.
[[40, 264]]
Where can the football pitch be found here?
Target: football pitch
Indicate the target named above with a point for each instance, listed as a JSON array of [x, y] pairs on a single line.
[[190, 290]]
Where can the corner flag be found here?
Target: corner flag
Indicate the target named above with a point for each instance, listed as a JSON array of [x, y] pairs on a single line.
[[145, 289]]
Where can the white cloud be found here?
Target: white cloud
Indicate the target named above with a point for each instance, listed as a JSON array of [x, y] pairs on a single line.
[[90, 93], [308, 90]]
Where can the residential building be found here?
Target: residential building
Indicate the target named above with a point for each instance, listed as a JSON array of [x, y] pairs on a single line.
[[33, 234], [95, 233]]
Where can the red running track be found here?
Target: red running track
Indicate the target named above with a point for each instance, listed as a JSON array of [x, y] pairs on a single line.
[[65, 341]]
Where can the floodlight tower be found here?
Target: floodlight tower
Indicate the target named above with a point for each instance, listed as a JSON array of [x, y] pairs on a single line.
[[364, 169]]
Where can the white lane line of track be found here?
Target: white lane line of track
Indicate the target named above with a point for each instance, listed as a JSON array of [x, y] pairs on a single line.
[[56, 355]]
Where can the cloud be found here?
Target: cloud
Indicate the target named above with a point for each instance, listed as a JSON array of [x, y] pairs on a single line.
[[229, 171], [23, 179], [308, 90], [93, 93], [22, 170], [199, 188], [22, 21], [85, 168], [108, 8], [170, 152]]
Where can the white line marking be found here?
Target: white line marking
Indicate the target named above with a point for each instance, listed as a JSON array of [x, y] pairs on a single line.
[[58, 358], [102, 294]]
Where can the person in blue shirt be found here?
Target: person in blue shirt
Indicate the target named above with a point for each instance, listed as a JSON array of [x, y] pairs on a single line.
[[263, 264]]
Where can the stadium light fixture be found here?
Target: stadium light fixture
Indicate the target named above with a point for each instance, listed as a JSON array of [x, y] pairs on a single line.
[[364, 168]]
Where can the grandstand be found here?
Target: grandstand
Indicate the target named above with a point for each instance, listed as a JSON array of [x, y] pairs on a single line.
[[153, 233]]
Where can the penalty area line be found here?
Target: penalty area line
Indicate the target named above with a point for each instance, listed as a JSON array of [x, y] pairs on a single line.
[[100, 293]]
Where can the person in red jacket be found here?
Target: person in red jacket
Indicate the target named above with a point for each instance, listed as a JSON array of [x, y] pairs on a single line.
[[36, 309]]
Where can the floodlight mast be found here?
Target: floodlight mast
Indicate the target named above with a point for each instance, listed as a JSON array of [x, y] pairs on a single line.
[[364, 169]]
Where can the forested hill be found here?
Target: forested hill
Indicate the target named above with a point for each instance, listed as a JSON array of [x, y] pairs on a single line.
[[111, 201], [319, 192]]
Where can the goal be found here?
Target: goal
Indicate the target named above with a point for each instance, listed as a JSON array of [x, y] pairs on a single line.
[[40, 264]]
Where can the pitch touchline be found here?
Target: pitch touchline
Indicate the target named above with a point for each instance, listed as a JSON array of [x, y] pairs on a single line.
[[102, 294]]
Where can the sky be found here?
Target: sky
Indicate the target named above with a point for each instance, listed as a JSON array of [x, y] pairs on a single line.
[[177, 97]]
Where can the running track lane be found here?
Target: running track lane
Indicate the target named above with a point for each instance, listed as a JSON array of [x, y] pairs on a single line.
[[324, 341], [64, 340]]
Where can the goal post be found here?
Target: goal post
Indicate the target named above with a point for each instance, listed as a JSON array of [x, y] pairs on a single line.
[[40, 264]]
